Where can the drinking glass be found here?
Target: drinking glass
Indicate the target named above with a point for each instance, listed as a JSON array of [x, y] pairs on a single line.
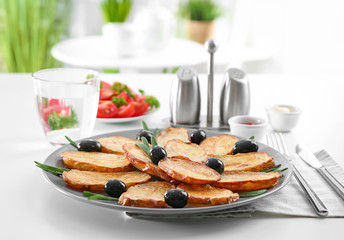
[[67, 102]]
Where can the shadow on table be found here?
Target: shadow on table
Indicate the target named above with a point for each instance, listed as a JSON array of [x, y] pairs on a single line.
[[63, 212]]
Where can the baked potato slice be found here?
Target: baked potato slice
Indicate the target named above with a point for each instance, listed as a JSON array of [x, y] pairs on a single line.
[[148, 195], [171, 133], [187, 171], [96, 161], [208, 195], [219, 145], [95, 181], [253, 162], [139, 159], [180, 149], [114, 144], [247, 181]]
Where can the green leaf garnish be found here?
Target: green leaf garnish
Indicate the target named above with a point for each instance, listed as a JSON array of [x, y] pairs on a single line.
[[57, 121], [119, 101], [55, 170], [144, 126], [154, 143], [71, 142], [145, 141], [282, 170], [117, 87], [253, 193], [127, 90], [142, 91], [143, 147], [89, 76], [156, 132], [90, 195], [252, 137], [153, 102], [272, 169]]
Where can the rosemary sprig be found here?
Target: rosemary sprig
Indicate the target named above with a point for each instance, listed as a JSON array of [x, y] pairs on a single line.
[[153, 140], [55, 170], [144, 126], [72, 142], [90, 196], [252, 138], [281, 170], [252, 193], [145, 141], [144, 145], [156, 132], [272, 169]]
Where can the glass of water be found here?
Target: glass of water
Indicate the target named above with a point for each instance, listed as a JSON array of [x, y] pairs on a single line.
[[67, 102]]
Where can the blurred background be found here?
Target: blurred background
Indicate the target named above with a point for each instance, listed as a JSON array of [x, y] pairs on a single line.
[[261, 36]]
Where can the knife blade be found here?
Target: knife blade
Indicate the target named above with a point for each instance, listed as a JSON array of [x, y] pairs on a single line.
[[307, 156]]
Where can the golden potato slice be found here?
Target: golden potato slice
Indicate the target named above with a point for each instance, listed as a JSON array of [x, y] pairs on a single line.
[[218, 145], [139, 159], [247, 181], [96, 161], [114, 144], [253, 162], [149, 195], [180, 149], [95, 181], [188, 171], [172, 133], [208, 195]]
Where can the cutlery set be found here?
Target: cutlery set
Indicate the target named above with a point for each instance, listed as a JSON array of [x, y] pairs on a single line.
[[276, 141]]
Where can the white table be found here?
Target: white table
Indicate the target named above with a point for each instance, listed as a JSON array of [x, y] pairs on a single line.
[[93, 52], [31, 208]]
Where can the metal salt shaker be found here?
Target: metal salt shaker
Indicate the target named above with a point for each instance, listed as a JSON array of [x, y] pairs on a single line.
[[185, 101], [235, 95]]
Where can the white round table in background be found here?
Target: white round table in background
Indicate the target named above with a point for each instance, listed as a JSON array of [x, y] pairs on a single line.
[[92, 52]]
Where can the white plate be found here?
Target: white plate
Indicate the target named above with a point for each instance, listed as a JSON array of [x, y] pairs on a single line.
[[131, 119], [55, 160]]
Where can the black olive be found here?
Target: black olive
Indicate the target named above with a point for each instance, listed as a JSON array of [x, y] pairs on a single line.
[[245, 146], [89, 145], [176, 198], [144, 133], [215, 164], [198, 136], [157, 153], [115, 187]]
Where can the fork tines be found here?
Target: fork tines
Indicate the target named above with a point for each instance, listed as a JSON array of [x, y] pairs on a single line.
[[276, 140]]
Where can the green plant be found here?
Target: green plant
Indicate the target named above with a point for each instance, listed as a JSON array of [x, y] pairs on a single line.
[[28, 30], [200, 10], [115, 10]]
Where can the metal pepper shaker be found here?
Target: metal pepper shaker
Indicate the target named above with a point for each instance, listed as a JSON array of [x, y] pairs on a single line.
[[235, 95], [185, 99]]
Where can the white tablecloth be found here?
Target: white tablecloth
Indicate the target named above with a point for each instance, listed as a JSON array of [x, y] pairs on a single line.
[[32, 208]]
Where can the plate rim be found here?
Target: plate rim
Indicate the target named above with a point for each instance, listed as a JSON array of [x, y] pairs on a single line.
[[130, 119], [49, 177]]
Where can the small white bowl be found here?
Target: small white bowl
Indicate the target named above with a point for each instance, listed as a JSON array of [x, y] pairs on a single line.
[[283, 121], [240, 126]]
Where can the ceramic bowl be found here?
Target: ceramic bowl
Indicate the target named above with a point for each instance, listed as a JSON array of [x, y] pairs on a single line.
[[248, 126], [283, 118]]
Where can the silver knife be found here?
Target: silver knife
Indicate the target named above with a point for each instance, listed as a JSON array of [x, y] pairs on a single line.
[[307, 156]]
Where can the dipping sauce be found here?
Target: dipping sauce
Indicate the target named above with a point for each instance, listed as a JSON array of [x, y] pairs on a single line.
[[249, 123], [282, 109]]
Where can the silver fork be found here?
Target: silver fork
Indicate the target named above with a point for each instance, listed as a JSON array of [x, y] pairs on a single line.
[[276, 141]]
